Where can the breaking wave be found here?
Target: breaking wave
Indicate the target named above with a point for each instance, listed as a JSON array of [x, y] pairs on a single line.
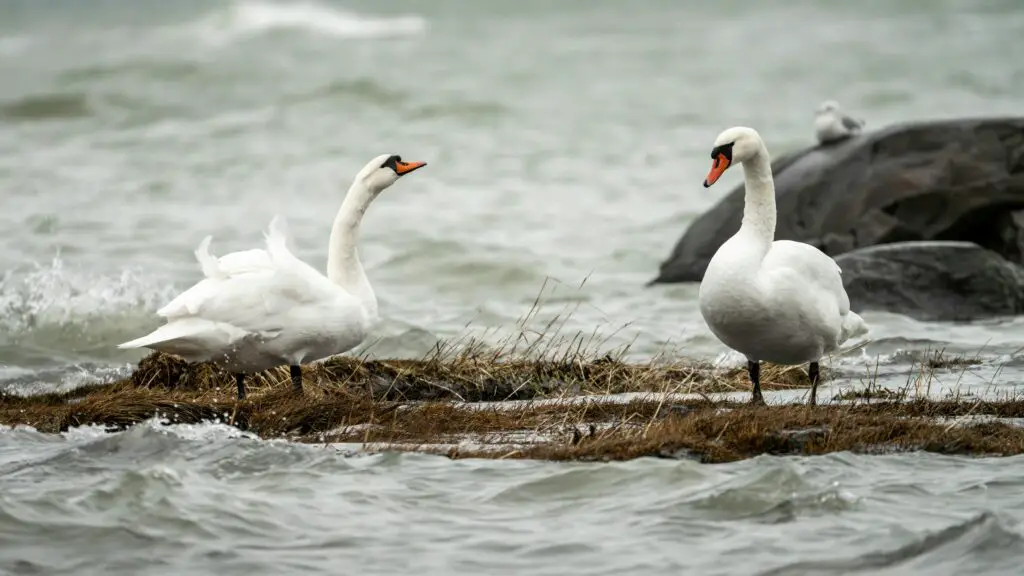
[[59, 326], [53, 295], [244, 19]]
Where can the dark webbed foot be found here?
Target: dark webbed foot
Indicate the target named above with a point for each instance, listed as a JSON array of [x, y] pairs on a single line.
[[240, 383], [296, 371], [754, 371], [815, 376]]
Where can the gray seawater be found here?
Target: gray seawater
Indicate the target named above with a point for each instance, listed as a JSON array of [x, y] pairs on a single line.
[[566, 144]]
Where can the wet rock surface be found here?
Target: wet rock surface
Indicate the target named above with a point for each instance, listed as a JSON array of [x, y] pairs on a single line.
[[933, 281]]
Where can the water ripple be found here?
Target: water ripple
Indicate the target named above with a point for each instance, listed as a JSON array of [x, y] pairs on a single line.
[[230, 501], [55, 106], [983, 535]]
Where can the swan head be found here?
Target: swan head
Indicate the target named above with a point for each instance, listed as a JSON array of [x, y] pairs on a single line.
[[385, 170], [733, 146]]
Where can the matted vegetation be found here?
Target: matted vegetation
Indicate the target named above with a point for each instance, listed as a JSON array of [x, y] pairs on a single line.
[[345, 389], [471, 375], [712, 433], [549, 401], [594, 429]]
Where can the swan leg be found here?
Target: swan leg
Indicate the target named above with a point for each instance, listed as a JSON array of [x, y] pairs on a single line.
[[240, 384], [296, 371], [754, 370], [815, 376]]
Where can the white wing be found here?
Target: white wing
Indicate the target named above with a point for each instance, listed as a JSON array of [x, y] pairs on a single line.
[[252, 289], [817, 271]]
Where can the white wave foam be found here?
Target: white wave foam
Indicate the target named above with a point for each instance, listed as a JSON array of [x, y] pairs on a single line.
[[24, 382], [54, 295], [206, 431], [248, 18], [14, 45], [85, 433]]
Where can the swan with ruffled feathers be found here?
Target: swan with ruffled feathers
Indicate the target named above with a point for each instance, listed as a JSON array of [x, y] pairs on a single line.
[[261, 308], [771, 300]]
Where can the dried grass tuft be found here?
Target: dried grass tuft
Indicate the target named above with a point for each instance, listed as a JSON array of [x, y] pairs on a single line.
[[710, 434], [469, 376]]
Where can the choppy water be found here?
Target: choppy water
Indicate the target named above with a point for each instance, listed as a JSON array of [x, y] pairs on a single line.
[[204, 500], [566, 144]]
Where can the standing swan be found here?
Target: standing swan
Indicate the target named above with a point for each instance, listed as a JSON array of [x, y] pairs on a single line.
[[777, 301], [257, 309]]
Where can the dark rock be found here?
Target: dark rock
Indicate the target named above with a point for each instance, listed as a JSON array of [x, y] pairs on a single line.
[[1012, 227], [944, 180], [933, 281]]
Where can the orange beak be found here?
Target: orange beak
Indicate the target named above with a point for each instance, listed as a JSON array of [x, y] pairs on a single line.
[[717, 169], [404, 168]]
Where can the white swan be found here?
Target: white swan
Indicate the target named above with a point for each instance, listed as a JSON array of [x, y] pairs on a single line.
[[771, 300], [831, 124], [257, 309]]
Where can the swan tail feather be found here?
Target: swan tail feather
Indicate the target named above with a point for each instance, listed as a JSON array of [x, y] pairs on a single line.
[[191, 338], [165, 333], [207, 261], [277, 238], [853, 326]]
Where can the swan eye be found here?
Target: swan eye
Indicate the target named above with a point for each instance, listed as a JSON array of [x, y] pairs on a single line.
[[392, 162], [723, 150]]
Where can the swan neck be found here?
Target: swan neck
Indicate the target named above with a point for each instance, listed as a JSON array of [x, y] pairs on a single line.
[[343, 265], [759, 212]]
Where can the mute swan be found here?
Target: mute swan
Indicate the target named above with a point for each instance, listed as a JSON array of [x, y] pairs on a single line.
[[831, 124], [257, 309], [778, 301]]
